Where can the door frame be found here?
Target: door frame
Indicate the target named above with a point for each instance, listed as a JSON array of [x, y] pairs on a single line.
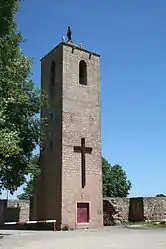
[[83, 223]]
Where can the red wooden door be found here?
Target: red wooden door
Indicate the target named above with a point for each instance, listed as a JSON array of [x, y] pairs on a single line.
[[82, 212]]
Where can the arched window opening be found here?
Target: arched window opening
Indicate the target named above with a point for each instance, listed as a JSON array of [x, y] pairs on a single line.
[[83, 73], [52, 77]]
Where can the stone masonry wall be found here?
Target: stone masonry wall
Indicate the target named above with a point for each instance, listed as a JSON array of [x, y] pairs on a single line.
[[154, 208], [81, 119], [14, 210], [134, 209], [22, 206], [115, 209]]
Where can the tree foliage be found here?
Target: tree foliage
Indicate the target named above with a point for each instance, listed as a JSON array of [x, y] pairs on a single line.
[[115, 182], [20, 102], [34, 171], [160, 195]]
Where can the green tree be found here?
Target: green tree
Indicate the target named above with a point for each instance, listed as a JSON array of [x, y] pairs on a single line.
[[34, 171], [115, 182], [20, 102], [105, 172], [160, 195]]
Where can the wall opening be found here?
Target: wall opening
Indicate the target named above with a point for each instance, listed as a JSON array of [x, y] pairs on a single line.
[[83, 73], [52, 81], [83, 212], [52, 76], [136, 209]]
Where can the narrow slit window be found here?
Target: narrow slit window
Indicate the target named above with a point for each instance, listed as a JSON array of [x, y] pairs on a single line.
[[52, 78], [51, 116]]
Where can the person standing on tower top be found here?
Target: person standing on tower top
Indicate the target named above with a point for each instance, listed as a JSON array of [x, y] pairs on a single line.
[[69, 32]]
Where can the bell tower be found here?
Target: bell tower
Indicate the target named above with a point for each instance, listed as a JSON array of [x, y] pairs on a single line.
[[71, 170]]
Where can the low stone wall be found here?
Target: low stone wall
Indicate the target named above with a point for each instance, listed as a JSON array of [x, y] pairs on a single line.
[[114, 209], [14, 210], [22, 206], [134, 209], [155, 208]]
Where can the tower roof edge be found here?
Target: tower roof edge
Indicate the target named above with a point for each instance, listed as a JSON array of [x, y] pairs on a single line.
[[72, 45]]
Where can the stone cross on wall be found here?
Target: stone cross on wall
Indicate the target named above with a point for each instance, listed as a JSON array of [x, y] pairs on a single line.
[[83, 150]]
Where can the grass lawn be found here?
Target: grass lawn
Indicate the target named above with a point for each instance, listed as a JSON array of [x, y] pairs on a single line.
[[152, 224]]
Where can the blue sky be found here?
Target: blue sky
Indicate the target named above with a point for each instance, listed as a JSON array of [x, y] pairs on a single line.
[[131, 38]]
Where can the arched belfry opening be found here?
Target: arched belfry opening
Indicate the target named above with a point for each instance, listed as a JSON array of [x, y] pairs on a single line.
[[83, 73]]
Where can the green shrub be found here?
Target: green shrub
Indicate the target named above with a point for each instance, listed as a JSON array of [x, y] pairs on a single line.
[[65, 228]]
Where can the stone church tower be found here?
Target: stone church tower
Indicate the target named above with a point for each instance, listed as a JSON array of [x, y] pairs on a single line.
[[71, 173]]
